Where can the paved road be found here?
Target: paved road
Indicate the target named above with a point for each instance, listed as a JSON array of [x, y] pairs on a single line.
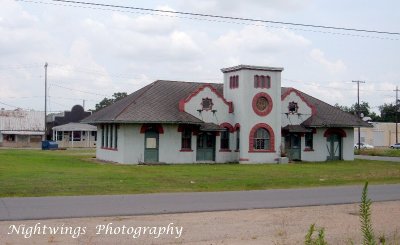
[[378, 158], [119, 205]]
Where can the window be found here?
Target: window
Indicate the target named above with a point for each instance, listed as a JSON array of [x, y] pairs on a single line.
[[109, 136], [262, 104], [233, 82], [293, 107], [111, 129], [186, 139], [206, 104], [262, 81], [225, 139], [261, 139], [9, 137], [308, 141], [94, 134], [116, 137], [102, 136], [238, 140], [59, 136]]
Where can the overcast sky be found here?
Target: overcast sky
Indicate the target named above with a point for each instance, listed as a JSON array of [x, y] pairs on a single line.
[[93, 53]]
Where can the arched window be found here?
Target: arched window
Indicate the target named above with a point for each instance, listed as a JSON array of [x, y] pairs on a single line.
[[261, 139], [225, 140], [256, 79], [268, 81], [263, 85]]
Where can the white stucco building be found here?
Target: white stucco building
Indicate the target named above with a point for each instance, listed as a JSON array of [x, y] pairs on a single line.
[[249, 118]]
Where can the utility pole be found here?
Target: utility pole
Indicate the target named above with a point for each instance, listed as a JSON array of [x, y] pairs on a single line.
[[45, 100], [397, 111], [358, 112]]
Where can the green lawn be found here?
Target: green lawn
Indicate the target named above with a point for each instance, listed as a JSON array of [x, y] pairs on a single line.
[[75, 172], [385, 152]]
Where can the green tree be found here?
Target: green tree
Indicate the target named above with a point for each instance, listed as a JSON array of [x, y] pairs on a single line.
[[364, 108], [388, 112], [108, 101]]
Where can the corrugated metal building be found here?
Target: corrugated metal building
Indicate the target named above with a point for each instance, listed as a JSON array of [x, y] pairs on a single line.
[[19, 128]]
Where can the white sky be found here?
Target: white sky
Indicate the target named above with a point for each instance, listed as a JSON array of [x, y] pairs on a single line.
[[103, 52]]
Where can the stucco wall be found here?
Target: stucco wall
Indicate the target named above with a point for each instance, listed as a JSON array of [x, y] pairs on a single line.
[[303, 113], [320, 152], [116, 155], [242, 98], [221, 114]]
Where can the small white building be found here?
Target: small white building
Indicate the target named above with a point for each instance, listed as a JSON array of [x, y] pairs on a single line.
[[249, 118], [75, 135]]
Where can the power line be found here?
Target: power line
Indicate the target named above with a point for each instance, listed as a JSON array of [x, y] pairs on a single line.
[[86, 92], [228, 17], [223, 19], [336, 88]]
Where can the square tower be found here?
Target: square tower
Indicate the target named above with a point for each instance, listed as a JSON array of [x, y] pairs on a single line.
[[255, 92]]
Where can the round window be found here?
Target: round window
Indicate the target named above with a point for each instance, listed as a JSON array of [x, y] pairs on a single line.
[[262, 104]]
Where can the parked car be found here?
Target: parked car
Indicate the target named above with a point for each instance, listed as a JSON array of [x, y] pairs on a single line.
[[395, 146], [363, 146]]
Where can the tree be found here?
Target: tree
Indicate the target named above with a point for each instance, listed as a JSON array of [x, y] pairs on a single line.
[[108, 101], [388, 112], [365, 109]]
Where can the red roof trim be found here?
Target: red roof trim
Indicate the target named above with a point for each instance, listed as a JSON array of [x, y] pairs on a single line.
[[228, 126], [182, 102], [290, 90]]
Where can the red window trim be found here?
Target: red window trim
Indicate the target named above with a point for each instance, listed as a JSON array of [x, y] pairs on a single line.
[[254, 104], [186, 150], [157, 126], [109, 149], [338, 131], [234, 82], [261, 81], [271, 139]]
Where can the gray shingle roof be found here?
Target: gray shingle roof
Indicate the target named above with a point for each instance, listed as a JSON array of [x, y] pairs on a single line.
[[158, 102], [75, 127], [327, 115]]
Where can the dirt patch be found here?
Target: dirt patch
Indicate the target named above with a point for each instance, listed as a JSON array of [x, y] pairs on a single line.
[[261, 226]]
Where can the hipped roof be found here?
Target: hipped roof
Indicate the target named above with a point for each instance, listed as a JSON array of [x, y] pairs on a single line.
[[158, 102]]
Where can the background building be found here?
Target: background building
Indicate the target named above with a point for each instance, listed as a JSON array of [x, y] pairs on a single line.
[[19, 128]]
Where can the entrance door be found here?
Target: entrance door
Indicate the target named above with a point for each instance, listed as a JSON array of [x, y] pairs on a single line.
[[293, 146], [205, 146], [151, 146], [334, 147]]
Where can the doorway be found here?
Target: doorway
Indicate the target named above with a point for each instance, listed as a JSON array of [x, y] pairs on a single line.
[[293, 146], [151, 145], [334, 147], [205, 146]]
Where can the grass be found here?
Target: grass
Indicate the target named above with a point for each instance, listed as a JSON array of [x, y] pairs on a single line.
[[386, 152], [75, 172]]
